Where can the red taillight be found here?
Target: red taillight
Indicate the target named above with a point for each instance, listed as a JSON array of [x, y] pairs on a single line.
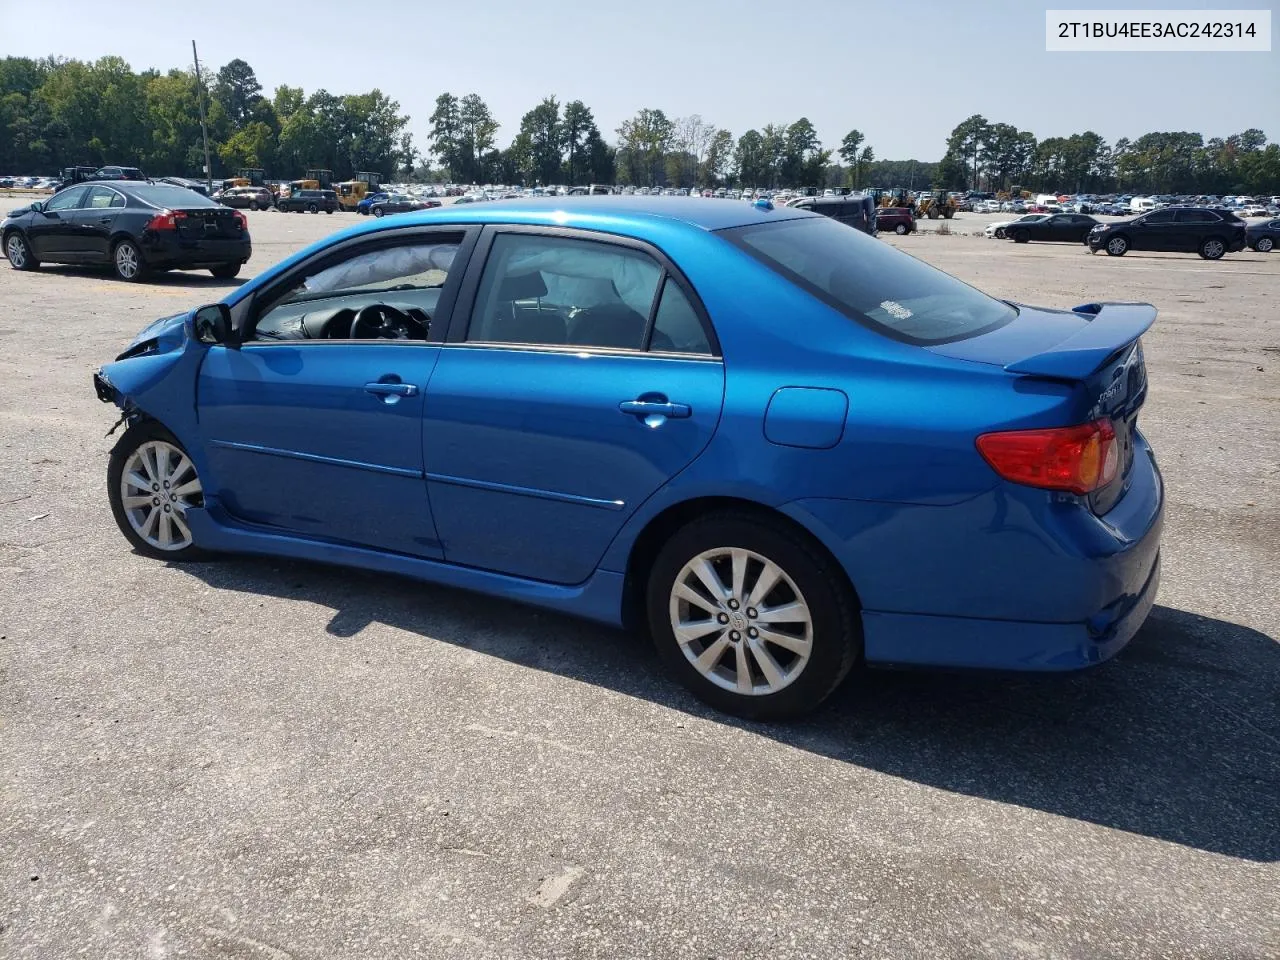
[[165, 220], [1078, 459], [241, 219]]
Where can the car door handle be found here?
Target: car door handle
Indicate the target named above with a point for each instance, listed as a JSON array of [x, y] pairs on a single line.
[[381, 388], [105, 219], [660, 408]]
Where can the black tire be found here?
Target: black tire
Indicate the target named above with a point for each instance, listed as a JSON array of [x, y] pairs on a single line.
[[126, 252], [1264, 245], [1021, 236], [225, 271], [1117, 246], [901, 229], [143, 431], [312, 208], [18, 252], [253, 204], [330, 212], [836, 642], [1213, 248], [378, 212], [999, 233], [933, 214]]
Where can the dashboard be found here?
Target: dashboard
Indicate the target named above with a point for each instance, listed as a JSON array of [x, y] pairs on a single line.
[[403, 313]]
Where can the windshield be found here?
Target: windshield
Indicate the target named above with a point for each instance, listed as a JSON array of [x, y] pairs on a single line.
[[871, 282], [164, 195]]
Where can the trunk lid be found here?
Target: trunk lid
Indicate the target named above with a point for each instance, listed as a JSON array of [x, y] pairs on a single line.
[[1095, 346], [212, 222]]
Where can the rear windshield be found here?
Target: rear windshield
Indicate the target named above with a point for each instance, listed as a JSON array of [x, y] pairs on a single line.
[[166, 195], [871, 282]]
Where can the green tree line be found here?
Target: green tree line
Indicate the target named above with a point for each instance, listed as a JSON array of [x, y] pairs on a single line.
[[996, 156], [58, 112]]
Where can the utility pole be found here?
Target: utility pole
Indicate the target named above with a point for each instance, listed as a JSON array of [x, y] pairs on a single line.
[[204, 127]]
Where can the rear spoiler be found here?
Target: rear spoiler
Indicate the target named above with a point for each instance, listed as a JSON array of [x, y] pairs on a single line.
[[1114, 326]]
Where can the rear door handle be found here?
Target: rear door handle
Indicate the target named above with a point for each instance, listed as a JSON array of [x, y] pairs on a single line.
[[659, 408], [382, 389], [105, 219]]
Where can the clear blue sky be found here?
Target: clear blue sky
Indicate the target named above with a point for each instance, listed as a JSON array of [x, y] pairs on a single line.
[[904, 74]]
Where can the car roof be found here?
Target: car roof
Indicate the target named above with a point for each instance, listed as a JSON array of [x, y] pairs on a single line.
[[627, 215]]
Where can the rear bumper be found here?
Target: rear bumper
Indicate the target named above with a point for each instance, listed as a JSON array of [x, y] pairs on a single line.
[[175, 251], [1012, 579], [908, 639]]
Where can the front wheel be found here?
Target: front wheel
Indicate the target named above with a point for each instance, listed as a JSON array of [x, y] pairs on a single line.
[[225, 271], [19, 253], [1264, 245], [1213, 248], [126, 261], [253, 204], [151, 484], [1117, 247], [751, 616], [312, 208]]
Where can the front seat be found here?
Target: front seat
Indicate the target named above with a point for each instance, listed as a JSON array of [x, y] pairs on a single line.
[[512, 324], [609, 325]]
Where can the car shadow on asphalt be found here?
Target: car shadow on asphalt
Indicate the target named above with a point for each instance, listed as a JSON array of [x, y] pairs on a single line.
[[168, 278], [1178, 738]]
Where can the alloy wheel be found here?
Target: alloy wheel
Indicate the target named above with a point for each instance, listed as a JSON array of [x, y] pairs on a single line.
[[1213, 249], [16, 250], [1117, 246], [127, 261], [1264, 245], [159, 484], [741, 621]]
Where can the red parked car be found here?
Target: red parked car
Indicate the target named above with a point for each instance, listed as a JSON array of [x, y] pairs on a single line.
[[897, 219]]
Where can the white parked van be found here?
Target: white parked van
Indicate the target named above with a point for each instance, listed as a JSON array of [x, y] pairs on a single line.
[[1141, 204]]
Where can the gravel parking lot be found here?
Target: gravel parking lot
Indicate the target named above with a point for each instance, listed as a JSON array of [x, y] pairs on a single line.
[[260, 759]]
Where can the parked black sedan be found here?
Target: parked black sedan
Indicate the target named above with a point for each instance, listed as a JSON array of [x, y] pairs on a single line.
[[400, 203], [1060, 228], [1263, 236], [1210, 233], [132, 227]]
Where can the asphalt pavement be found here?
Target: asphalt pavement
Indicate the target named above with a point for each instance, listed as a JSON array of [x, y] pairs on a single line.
[[250, 758]]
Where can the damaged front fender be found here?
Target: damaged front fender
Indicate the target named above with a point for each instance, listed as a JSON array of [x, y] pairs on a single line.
[[156, 377]]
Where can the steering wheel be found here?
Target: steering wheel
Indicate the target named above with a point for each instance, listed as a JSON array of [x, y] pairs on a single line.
[[379, 321]]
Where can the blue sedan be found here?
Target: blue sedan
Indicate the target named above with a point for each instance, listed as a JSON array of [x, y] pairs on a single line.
[[366, 203], [776, 444]]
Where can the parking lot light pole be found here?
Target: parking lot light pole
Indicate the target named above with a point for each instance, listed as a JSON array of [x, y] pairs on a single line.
[[204, 127]]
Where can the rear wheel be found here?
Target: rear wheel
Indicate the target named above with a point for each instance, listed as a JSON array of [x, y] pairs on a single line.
[[378, 211], [225, 271], [1117, 247], [1264, 245], [1213, 248], [126, 261], [312, 208], [152, 483], [253, 204], [19, 253], [900, 229], [751, 616]]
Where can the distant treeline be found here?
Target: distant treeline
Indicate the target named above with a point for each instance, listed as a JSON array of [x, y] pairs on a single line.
[[56, 113]]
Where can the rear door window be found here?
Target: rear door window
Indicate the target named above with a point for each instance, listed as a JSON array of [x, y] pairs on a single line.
[[870, 282]]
